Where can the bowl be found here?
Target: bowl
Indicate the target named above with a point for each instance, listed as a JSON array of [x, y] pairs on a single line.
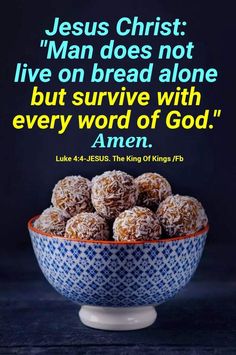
[[117, 284]]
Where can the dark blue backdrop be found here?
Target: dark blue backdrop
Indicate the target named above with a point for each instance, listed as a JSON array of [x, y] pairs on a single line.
[[28, 167]]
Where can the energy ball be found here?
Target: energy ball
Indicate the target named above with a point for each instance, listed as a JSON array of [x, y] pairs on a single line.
[[136, 224], [113, 192], [73, 195], [181, 215], [52, 221], [87, 226], [153, 188]]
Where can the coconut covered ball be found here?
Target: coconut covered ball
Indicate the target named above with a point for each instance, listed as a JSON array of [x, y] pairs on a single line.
[[136, 224], [181, 215], [52, 221], [87, 226], [73, 195], [113, 192], [153, 188]]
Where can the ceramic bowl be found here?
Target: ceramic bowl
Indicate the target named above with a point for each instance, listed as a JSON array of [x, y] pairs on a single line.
[[117, 284]]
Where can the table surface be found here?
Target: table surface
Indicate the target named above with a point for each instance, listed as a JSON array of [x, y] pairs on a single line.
[[201, 319]]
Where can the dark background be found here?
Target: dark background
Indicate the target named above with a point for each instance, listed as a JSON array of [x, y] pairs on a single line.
[[29, 170]]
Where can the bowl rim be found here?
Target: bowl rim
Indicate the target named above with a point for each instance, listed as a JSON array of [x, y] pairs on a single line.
[[165, 240]]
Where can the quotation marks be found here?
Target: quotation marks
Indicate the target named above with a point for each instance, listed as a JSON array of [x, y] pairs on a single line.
[[43, 43], [217, 114]]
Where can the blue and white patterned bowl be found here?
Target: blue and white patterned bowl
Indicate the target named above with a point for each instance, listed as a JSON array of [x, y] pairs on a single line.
[[114, 274]]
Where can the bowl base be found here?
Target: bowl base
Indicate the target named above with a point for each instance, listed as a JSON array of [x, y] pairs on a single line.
[[117, 318]]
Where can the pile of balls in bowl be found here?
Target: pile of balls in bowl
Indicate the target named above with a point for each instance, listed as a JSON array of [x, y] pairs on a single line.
[[116, 206]]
